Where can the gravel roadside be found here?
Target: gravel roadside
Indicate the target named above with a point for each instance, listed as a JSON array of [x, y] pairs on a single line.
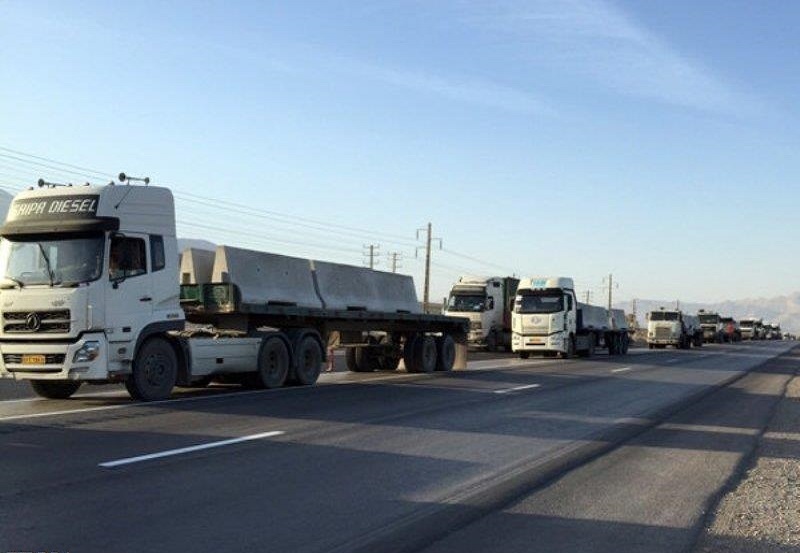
[[762, 514]]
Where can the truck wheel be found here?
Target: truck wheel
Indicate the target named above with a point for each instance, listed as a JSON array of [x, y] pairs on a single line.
[[155, 370], [524, 354], [425, 353], [273, 363], [570, 349], [491, 342], [624, 344], [309, 362], [409, 359], [446, 353], [613, 344], [350, 359], [55, 389]]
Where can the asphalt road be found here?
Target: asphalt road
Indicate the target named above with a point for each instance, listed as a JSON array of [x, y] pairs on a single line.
[[371, 462]]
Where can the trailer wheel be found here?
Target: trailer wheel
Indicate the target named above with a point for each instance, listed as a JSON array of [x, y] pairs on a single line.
[[409, 359], [55, 389], [155, 370], [273, 363], [425, 354], [624, 344], [446, 353], [309, 361]]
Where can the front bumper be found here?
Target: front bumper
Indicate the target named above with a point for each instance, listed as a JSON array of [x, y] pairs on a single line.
[[58, 365], [537, 342]]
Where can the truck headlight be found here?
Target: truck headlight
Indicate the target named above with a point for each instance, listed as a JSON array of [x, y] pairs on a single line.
[[88, 352]]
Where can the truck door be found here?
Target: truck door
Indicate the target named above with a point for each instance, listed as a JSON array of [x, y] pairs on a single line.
[[129, 294], [571, 314]]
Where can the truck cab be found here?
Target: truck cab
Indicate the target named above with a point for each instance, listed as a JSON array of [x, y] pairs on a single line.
[[545, 316], [712, 326], [750, 328], [88, 273], [486, 302], [671, 327]]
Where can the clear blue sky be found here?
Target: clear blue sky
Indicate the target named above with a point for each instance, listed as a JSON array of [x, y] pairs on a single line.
[[657, 140]]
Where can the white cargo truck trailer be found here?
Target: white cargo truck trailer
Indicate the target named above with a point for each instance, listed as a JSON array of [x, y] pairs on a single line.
[[548, 319], [673, 328], [90, 293], [487, 302]]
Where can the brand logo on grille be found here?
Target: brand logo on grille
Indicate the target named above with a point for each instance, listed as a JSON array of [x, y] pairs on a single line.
[[33, 322]]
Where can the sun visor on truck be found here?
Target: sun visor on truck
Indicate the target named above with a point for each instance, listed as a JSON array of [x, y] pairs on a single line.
[[63, 213]]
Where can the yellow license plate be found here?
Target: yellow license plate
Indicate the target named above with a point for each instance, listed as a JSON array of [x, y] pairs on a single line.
[[33, 360]]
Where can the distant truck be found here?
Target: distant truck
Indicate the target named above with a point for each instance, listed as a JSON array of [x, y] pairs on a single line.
[[712, 326], [731, 331], [673, 328], [548, 319], [487, 303], [752, 328]]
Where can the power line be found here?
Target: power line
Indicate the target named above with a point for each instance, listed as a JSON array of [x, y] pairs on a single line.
[[101, 173]]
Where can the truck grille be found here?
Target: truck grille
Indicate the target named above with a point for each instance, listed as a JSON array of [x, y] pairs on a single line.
[[49, 358], [475, 325], [51, 322], [663, 333]]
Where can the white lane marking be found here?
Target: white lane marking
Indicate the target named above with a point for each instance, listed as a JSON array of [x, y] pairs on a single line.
[[671, 360], [517, 388], [621, 370], [189, 449]]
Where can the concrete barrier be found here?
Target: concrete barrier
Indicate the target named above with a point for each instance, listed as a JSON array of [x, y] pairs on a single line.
[[360, 288], [196, 266], [267, 278]]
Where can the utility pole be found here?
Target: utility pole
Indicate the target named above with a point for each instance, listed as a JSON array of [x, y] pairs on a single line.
[[428, 239], [588, 296], [610, 283], [394, 259], [371, 251]]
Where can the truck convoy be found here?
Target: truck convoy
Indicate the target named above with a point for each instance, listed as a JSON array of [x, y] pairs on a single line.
[[712, 326], [548, 319], [487, 302], [673, 328], [91, 294]]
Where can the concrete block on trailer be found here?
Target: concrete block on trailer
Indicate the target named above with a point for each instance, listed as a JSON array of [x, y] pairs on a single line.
[[618, 320], [360, 288], [196, 266], [593, 317], [266, 278]]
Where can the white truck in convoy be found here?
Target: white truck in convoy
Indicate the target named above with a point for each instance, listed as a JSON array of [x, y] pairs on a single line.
[[713, 327], [90, 293], [672, 327], [487, 302], [548, 319], [751, 328]]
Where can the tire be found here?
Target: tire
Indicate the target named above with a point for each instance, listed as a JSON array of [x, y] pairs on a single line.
[[625, 343], [350, 359], [524, 354], [614, 345], [651, 346], [590, 350], [409, 358], [55, 389], [445, 353], [425, 354], [570, 353], [308, 362], [491, 342], [155, 370], [273, 363]]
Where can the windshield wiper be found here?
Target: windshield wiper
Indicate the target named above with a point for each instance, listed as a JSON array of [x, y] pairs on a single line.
[[47, 263]]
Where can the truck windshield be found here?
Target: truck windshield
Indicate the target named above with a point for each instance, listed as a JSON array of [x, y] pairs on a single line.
[[747, 324], [464, 302], [540, 302], [663, 316], [709, 319], [66, 260]]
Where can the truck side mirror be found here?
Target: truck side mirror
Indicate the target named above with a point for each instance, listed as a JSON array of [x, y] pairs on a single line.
[[490, 303]]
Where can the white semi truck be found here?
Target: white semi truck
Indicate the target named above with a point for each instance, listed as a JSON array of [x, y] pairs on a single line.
[[90, 293], [672, 327], [487, 302], [713, 327], [751, 328], [548, 319]]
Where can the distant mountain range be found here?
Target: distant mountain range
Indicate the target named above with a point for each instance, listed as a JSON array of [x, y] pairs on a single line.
[[784, 310]]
